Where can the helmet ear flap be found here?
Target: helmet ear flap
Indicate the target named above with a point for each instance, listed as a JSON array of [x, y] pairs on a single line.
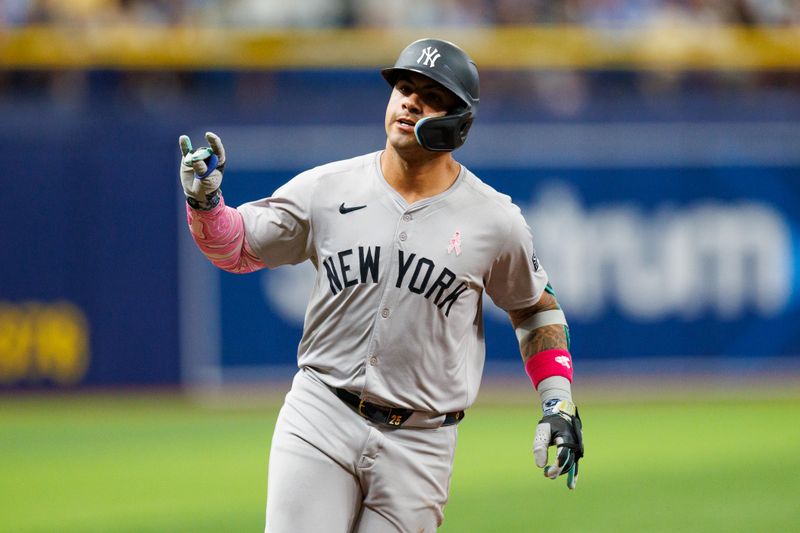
[[443, 134]]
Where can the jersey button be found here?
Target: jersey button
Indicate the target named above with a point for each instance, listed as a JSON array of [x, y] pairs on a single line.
[[373, 361], [406, 218], [403, 236], [385, 313]]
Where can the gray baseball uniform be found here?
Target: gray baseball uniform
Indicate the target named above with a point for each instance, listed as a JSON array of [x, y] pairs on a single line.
[[395, 317]]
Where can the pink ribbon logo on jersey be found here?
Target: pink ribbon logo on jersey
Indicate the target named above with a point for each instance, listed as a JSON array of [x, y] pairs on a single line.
[[455, 244]]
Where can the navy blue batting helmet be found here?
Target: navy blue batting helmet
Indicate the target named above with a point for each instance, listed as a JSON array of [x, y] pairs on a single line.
[[450, 66]]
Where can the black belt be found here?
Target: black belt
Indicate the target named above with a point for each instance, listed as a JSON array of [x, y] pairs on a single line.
[[390, 416]]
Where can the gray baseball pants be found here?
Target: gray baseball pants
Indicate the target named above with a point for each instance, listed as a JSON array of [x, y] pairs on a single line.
[[332, 471]]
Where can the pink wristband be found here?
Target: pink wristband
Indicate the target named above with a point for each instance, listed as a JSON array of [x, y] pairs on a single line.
[[556, 362]]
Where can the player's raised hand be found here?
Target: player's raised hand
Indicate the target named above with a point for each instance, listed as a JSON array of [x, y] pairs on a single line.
[[201, 170], [560, 426]]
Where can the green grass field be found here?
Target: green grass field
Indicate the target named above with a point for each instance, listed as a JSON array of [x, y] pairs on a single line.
[[161, 463]]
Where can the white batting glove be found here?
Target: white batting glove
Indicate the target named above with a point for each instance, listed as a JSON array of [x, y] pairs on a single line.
[[560, 426], [201, 171]]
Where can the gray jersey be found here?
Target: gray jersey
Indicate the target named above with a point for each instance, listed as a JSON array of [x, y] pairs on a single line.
[[396, 311]]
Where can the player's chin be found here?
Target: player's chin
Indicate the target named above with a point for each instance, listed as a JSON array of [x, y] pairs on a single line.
[[401, 140]]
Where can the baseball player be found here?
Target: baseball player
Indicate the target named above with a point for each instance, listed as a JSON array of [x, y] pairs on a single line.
[[405, 242]]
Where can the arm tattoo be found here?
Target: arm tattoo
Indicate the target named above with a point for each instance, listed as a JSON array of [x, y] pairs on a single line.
[[544, 338], [554, 336]]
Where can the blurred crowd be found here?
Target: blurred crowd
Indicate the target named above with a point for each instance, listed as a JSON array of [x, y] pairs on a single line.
[[560, 93], [397, 13]]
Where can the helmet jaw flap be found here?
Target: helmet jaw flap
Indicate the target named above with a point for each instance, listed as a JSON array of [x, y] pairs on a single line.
[[451, 67], [443, 134]]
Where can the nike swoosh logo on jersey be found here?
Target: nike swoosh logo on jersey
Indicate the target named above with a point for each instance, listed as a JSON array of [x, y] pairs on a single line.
[[344, 210]]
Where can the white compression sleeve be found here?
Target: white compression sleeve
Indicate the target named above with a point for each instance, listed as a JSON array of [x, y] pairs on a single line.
[[555, 387]]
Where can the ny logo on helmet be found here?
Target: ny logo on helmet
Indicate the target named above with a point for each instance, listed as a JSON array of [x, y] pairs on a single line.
[[430, 54]]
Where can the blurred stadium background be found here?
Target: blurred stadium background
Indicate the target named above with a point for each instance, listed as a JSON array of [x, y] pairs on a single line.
[[654, 146]]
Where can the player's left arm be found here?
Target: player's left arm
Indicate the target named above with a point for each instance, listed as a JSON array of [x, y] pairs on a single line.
[[543, 337]]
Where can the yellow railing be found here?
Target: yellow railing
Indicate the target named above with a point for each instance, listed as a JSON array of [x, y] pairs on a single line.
[[557, 47]]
